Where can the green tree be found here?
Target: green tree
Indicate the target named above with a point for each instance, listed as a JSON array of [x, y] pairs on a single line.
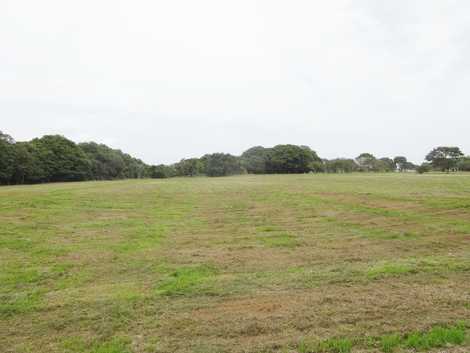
[[61, 159], [55, 158], [190, 167], [161, 171], [7, 158], [464, 164], [317, 166], [340, 165], [366, 162], [105, 163], [254, 159], [291, 159], [108, 164], [222, 164], [385, 165], [400, 162], [410, 166], [444, 158], [6, 138], [423, 168], [27, 168], [133, 168]]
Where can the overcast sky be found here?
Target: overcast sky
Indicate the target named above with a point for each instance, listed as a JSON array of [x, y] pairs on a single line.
[[167, 79]]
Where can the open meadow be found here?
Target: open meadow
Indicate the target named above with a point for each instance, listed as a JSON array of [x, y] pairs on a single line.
[[273, 263]]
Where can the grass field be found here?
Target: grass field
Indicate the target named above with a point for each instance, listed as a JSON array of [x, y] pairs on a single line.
[[299, 263]]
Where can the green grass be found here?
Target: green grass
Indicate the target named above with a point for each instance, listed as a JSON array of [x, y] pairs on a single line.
[[116, 345], [187, 281], [389, 343], [282, 240], [332, 345], [390, 269], [245, 263], [336, 346], [437, 337]]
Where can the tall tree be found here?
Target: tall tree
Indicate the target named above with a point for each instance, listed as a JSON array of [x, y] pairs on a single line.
[[444, 158]]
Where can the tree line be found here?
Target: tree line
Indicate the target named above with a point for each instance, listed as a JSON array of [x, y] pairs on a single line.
[[54, 158]]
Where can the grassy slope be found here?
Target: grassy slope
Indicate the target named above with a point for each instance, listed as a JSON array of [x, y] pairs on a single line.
[[239, 264]]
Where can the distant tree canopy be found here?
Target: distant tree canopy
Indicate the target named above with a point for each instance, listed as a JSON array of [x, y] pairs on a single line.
[[7, 158], [464, 164], [385, 165], [366, 162], [161, 171], [60, 159], [221, 164], [444, 158], [340, 165], [290, 159], [190, 167], [107, 163], [254, 160], [424, 168], [281, 159], [400, 163], [53, 158]]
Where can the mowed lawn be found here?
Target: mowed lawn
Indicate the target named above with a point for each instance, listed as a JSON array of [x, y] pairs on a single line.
[[279, 263]]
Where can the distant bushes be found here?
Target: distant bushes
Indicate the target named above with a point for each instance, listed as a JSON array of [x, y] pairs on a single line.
[[424, 168], [53, 158]]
